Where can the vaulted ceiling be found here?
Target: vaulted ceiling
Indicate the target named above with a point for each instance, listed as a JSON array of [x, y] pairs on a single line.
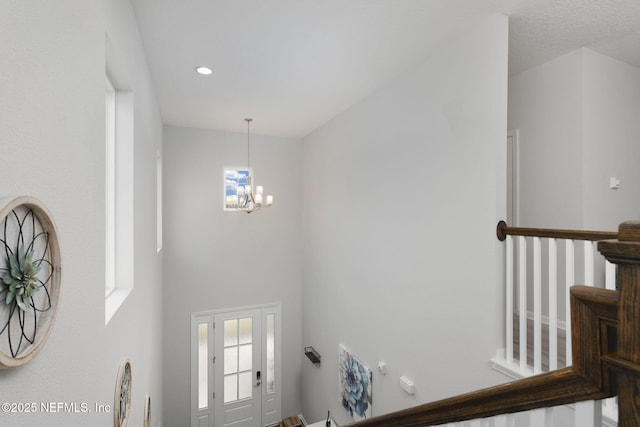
[[292, 65]]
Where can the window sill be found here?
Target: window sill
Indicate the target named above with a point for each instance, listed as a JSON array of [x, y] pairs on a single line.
[[113, 301]]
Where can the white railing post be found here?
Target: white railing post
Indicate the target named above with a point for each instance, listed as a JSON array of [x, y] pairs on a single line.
[[522, 289], [542, 417], [610, 409], [588, 263], [509, 302], [569, 281], [588, 414], [553, 304], [537, 306], [504, 421], [537, 417]]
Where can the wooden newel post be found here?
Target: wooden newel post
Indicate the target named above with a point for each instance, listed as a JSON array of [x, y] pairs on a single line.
[[625, 252]]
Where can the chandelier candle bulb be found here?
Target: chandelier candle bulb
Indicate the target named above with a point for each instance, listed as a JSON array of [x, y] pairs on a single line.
[[269, 200], [259, 190], [258, 198]]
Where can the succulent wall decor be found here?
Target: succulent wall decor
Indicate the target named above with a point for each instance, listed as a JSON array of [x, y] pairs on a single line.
[[29, 278]]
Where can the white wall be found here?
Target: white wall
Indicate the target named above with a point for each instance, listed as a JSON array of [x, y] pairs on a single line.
[[52, 147], [402, 195], [545, 105], [577, 117], [217, 260], [611, 134]]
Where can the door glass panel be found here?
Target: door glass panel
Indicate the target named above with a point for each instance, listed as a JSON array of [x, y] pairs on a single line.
[[245, 385], [245, 357], [230, 388], [230, 360], [203, 371], [271, 357], [238, 359], [246, 330], [230, 332]]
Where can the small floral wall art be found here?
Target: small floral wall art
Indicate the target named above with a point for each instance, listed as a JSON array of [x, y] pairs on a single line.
[[354, 385]]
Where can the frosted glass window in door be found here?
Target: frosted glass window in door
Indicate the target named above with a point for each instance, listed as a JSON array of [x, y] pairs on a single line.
[[245, 385], [238, 359], [245, 357], [203, 371], [271, 357], [230, 360], [230, 388], [246, 330], [230, 332]]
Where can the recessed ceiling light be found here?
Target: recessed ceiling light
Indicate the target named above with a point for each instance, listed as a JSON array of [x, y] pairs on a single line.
[[205, 71]]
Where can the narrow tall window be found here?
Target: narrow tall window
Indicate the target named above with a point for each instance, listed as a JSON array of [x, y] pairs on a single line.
[[270, 353], [159, 200], [119, 187], [203, 365], [110, 203]]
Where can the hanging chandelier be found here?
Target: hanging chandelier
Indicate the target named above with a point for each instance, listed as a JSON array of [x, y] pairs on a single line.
[[250, 199]]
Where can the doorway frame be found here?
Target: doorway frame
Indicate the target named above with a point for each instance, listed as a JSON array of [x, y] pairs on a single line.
[[513, 178]]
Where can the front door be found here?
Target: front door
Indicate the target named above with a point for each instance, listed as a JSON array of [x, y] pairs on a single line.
[[238, 369], [242, 388]]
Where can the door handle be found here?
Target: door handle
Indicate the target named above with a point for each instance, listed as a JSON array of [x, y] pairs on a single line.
[[258, 380]]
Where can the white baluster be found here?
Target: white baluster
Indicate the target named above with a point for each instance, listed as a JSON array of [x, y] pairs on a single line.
[[553, 304], [610, 275], [569, 281], [536, 418], [549, 420], [588, 263], [540, 417], [537, 306], [588, 414], [610, 408], [506, 420], [522, 289], [509, 302]]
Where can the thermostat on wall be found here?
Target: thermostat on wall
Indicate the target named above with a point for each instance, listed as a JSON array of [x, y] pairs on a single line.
[[407, 385], [614, 183]]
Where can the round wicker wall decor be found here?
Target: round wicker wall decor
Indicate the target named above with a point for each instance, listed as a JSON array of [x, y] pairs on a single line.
[[30, 272]]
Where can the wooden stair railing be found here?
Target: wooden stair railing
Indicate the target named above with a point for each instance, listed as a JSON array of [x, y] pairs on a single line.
[[606, 356], [503, 230]]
